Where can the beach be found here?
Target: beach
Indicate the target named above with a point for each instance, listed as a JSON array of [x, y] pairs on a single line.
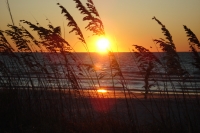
[[159, 112]]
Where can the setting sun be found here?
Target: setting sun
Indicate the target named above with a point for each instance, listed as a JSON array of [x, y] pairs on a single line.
[[102, 44]]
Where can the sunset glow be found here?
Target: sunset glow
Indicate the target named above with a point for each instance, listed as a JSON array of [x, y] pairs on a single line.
[[135, 27], [102, 44]]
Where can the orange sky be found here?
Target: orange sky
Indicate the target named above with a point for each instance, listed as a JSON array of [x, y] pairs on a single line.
[[126, 22]]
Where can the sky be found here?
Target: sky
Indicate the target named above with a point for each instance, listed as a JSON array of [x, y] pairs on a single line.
[[126, 22]]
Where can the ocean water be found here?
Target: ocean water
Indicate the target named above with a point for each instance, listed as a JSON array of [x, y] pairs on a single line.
[[24, 72], [134, 78]]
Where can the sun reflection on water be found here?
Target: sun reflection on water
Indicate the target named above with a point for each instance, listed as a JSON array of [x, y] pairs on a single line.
[[101, 90]]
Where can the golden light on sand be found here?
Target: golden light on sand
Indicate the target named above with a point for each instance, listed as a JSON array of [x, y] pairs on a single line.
[[101, 91], [102, 44]]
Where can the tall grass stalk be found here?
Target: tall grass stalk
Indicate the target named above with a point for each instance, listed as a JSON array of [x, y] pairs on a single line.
[[8, 6]]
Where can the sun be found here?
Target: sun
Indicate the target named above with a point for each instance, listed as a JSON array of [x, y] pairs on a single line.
[[102, 44]]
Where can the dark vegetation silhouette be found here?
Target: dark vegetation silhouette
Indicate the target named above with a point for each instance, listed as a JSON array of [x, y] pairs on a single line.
[[41, 80], [194, 45]]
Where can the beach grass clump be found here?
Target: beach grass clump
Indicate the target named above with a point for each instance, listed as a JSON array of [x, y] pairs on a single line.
[[147, 63], [172, 59], [194, 44]]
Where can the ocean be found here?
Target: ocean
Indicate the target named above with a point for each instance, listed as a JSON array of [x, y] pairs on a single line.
[[92, 71], [134, 78]]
